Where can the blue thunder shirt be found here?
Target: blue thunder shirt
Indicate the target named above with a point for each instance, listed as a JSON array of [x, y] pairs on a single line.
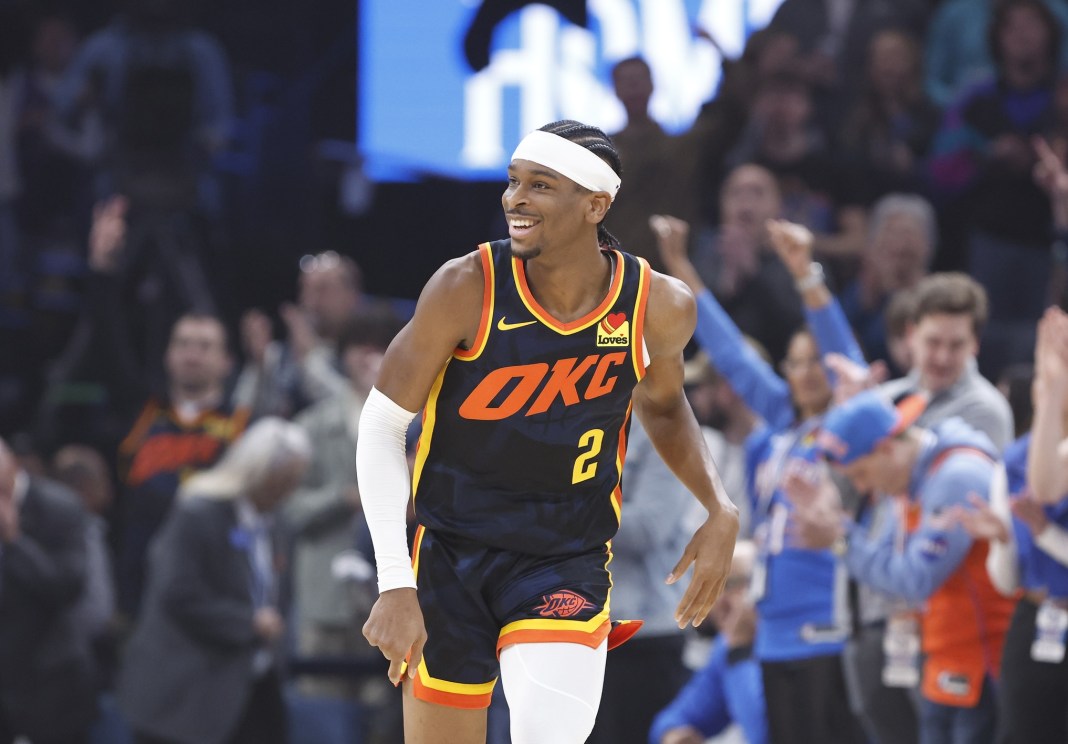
[[525, 432], [1038, 570]]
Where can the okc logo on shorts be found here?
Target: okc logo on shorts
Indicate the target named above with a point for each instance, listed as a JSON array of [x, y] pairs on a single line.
[[613, 330], [562, 604]]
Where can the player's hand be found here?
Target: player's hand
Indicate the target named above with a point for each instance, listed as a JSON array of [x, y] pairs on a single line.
[[395, 627], [710, 551]]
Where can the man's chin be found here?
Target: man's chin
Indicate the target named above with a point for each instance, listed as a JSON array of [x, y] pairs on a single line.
[[525, 252]]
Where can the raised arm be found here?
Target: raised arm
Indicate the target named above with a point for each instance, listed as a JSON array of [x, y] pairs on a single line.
[[1047, 459], [753, 379], [664, 411], [447, 316]]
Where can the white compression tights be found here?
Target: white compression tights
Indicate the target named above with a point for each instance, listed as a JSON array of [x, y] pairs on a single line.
[[553, 690]]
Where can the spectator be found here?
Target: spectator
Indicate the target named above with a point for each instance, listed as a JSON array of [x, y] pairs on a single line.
[[282, 378], [957, 55], [658, 171], [167, 101], [186, 430], [325, 521], [783, 136], [1029, 550], [834, 37], [890, 129], [737, 263], [949, 312], [728, 688], [211, 610], [898, 321], [920, 557], [800, 636], [981, 168], [901, 240], [46, 683]]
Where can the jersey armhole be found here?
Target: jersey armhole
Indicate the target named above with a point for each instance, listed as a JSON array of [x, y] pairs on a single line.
[[488, 278], [639, 349]]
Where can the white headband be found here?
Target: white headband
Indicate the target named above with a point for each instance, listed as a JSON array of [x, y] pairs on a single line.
[[568, 159]]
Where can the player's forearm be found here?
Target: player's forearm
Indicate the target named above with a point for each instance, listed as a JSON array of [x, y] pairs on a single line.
[[382, 472], [677, 437]]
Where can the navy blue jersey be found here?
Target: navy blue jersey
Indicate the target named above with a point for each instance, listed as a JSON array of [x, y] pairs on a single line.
[[525, 432]]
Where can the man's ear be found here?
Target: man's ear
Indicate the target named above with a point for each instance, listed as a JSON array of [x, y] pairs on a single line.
[[597, 207]]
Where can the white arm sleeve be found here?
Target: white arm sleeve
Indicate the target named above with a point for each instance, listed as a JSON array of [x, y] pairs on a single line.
[[385, 487], [1002, 561]]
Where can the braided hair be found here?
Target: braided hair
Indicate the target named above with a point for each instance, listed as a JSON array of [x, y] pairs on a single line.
[[600, 144]]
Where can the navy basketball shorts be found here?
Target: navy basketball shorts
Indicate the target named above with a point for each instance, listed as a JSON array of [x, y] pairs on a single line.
[[476, 600]]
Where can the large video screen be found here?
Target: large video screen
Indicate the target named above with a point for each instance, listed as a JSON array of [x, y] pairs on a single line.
[[448, 87]]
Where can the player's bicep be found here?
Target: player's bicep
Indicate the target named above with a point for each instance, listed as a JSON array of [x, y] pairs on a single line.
[[669, 323], [447, 316]]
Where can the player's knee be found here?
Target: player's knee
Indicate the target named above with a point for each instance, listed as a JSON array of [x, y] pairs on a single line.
[[559, 720]]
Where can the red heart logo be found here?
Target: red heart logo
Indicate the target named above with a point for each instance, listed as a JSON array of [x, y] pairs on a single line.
[[615, 320]]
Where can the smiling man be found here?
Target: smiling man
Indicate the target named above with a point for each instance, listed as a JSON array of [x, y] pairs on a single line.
[[948, 317], [526, 357]]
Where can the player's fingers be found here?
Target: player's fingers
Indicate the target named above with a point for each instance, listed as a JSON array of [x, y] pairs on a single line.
[[415, 657], [396, 671], [680, 567], [689, 604]]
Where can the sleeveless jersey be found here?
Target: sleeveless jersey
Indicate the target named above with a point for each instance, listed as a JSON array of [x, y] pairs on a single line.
[[525, 432]]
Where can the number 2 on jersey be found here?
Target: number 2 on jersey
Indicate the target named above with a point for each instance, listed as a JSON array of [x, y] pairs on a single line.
[[585, 466]]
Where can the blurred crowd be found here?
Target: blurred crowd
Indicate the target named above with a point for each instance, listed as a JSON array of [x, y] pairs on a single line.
[[873, 214]]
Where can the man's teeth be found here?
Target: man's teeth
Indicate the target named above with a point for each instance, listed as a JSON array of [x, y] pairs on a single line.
[[522, 223]]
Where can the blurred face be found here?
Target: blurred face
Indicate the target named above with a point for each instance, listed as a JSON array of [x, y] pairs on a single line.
[[279, 485], [197, 359], [886, 470], [892, 63], [328, 296], [54, 45], [634, 86], [898, 252], [941, 346], [784, 108], [1024, 42], [362, 364], [808, 383], [750, 198]]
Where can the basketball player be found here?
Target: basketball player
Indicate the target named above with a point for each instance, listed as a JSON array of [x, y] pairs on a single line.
[[526, 357]]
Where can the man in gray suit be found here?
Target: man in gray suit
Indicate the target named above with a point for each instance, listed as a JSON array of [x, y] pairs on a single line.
[[200, 667], [46, 681]]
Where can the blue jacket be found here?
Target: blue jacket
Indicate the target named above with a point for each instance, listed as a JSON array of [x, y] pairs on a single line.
[[723, 692], [934, 551], [1037, 569], [800, 583]]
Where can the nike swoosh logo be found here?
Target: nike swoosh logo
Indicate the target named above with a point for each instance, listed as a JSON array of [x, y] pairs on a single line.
[[502, 325]]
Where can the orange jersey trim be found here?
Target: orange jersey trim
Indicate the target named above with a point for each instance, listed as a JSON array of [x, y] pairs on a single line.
[[452, 694], [137, 433], [589, 633], [422, 447], [479, 344], [417, 542], [519, 272], [637, 342], [621, 455]]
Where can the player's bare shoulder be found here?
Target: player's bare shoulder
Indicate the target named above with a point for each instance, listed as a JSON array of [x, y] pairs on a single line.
[[452, 299], [670, 315]]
